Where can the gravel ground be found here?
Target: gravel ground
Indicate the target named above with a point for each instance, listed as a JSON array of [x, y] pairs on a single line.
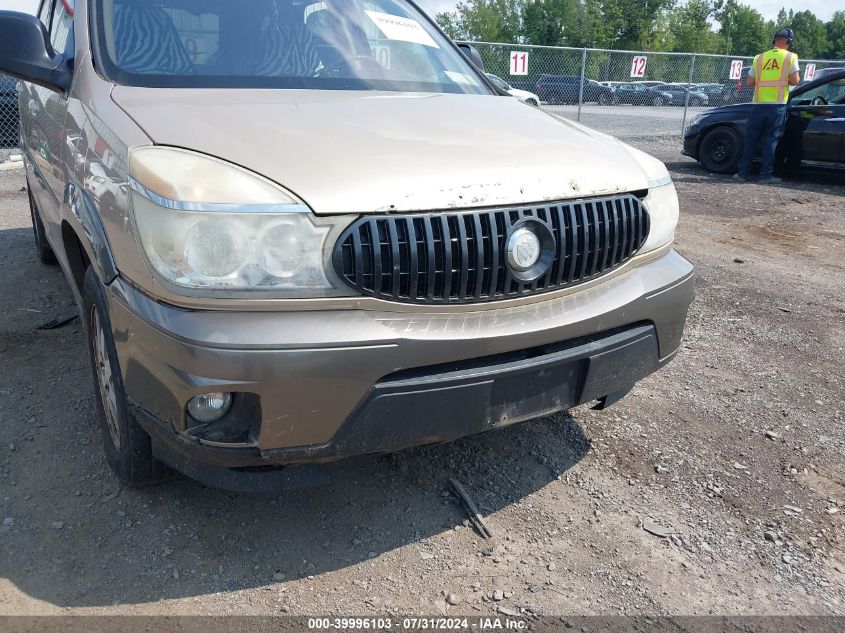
[[716, 486], [629, 122]]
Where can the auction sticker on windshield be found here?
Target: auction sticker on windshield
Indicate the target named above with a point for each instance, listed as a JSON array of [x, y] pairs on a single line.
[[402, 29]]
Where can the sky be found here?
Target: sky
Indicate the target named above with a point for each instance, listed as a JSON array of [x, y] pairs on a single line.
[[769, 8]]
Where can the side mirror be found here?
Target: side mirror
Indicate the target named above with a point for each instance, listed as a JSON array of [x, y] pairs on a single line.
[[470, 52], [25, 52]]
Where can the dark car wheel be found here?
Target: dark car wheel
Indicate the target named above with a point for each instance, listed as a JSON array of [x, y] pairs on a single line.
[[604, 99], [42, 246], [533, 102], [657, 101], [127, 446], [720, 151], [695, 102]]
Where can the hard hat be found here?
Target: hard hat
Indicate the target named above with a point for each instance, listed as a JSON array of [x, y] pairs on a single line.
[[786, 34]]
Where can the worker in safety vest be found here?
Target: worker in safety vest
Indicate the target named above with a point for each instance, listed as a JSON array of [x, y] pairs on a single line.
[[771, 76]]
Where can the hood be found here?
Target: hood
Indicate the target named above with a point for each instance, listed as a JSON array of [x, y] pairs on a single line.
[[364, 152]]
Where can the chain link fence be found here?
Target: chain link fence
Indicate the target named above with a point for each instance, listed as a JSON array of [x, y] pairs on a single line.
[[9, 119], [626, 93]]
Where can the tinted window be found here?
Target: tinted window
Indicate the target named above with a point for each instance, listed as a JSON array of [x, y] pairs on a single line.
[[826, 94], [61, 27], [329, 44]]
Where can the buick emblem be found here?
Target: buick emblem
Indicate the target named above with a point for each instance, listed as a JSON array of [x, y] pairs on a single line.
[[523, 249]]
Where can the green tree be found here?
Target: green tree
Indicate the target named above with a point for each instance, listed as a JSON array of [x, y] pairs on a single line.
[[742, 29], [690, 28], [811, 39], [836, 35], [548, 22], [483, 20]]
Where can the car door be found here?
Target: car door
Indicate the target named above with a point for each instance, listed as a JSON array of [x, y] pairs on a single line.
[[815, 125], [48, 140]]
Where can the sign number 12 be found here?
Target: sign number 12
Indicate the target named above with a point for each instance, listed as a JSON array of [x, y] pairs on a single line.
[[638, 66]]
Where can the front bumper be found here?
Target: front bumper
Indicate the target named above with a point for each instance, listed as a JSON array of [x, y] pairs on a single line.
[[337, 383], [690, 144]]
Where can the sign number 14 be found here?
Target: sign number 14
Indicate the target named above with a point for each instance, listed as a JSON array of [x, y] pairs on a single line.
[[519, 63]]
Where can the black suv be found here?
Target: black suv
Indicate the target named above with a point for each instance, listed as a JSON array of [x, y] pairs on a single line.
[[566, 88]]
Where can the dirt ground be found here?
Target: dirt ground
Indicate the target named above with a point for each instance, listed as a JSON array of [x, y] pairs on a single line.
[[716, 486]]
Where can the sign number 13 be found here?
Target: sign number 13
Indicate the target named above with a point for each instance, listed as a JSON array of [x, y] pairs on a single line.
[[519, 63]]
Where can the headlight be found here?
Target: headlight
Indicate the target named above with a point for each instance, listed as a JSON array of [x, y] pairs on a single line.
[[209, 227], [662, 206], [661, 201]]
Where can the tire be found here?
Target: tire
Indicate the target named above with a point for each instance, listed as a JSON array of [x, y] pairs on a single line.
[[532, 102], [720, 150], [127, 447], [42, 246], [657, 102], [695, 102], [604, 100]]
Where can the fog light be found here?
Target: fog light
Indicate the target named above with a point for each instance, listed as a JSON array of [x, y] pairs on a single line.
[[209, 407]]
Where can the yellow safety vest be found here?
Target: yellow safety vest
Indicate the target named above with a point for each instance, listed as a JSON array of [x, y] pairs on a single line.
[[771, 75]]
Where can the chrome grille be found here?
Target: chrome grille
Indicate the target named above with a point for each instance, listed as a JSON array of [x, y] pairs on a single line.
[[455, 258]]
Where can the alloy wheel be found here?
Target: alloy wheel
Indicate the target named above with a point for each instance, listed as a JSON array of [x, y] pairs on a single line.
[[105, 377]]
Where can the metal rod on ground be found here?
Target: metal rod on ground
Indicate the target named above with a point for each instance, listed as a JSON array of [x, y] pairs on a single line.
[[689, 87], [581, 88], [471, 508]]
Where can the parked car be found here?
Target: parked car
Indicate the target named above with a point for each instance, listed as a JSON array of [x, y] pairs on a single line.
[[714, 93], [8, 112], [824, 72], [638, 94], [737, 90], [679, 94], [523, 95], [814, 134], [649, 84], [329, 265], [567, 88]]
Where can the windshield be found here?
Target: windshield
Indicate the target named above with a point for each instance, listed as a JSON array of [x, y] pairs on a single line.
[[331, 44]]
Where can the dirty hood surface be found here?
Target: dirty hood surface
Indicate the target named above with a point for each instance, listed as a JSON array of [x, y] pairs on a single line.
[[357, 152]]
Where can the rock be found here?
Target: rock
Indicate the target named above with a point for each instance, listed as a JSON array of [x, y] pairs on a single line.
[[506, 611], [8, 521], [453, 599], [770, 536], [551, 566], [658, 530], [498, 595], [786, 558], [772, 435], [426, 555], [660, 469], [832, 510], [58, 525], [175, 574], [739, 466], [278, 576]]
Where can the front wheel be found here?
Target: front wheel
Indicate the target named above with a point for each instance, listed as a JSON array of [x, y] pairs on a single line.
[[721, 149], [604, 100], [127, 446], [695, 102], [657, 102], [533, 102]]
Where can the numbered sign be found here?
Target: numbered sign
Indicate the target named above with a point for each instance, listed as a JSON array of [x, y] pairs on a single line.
[[638, 66], [519, 63], [809, 72], [736, 69]]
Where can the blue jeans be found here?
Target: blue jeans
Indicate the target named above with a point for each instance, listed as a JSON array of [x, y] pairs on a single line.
[[765, 125]]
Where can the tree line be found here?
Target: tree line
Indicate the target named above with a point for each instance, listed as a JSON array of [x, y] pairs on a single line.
[[700, 26]]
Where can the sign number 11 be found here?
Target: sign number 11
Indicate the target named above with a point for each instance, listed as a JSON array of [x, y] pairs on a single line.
[[519, 63]]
